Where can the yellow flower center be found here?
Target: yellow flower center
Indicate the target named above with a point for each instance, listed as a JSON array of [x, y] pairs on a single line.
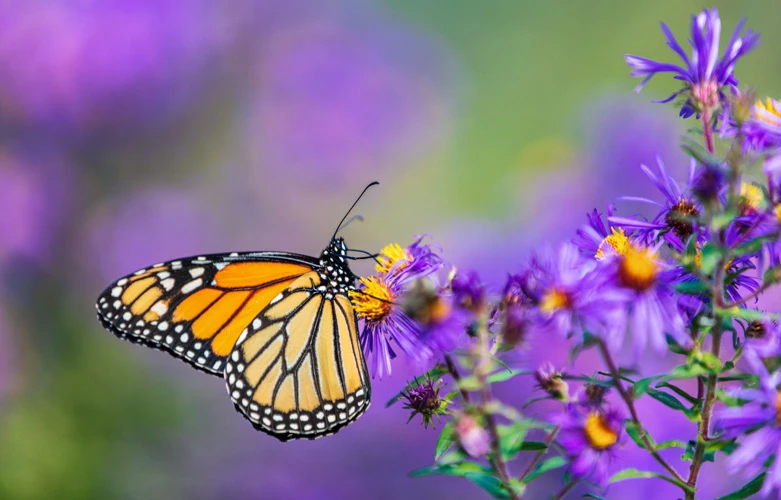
[[614, 244], [390, 255], [769, 106], [554, 300], [374, 302], [599, 433], [638, 269], [777, 211], [751, 195]]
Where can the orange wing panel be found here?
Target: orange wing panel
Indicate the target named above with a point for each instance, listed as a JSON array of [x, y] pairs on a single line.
[[254, 274], [218, 314]]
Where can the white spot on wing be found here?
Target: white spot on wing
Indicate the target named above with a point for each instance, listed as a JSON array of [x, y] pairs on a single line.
[[189, 287]]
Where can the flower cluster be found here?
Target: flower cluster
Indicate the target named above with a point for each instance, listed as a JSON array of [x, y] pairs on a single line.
[[676, 274]]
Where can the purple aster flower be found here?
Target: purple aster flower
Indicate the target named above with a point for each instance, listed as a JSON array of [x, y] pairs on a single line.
[[566, 292], [763, 337], [763, 129], [598, 240], [590, 438], [468, 290], [92, 64], [650, 310], [704, 74], [677, 219], [415, 261], [757, 425], [402, 306]]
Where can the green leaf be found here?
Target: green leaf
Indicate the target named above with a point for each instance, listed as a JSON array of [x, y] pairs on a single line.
[[446, 439], [642, 385], [511, 438], [685, 395], [670, 444], [741, 313], [503, 375], [751, 488], [432, 374], [753, 246], [470, 383], [478, 474], [591, 495], [634, 432], [492, 485], [667, 399], [545, 466], [710, 257], [692, 287], [633, 473], [686, 371], [533, 446], [710, 361]]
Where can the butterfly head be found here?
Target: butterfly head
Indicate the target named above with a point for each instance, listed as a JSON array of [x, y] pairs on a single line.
[[334, 263]]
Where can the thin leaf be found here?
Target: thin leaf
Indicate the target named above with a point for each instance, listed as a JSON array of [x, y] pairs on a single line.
[[506, 375], [478, 474], [751, 488], [446, 439], [545, 466], [632, 473]]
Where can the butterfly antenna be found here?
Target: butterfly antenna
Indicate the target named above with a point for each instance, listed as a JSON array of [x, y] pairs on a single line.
[[351, 219], [367, 255], [352, 206]]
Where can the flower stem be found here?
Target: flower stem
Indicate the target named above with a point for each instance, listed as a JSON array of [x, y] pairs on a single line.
[[708, 130], [451, 368], [567, 488], [529, 468], [630, 404], [482, 368]]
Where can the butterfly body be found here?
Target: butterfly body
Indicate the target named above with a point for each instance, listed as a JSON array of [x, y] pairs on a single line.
[[278, 326]]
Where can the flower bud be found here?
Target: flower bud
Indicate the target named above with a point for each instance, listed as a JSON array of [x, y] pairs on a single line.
[[550, 380], [474, 439]]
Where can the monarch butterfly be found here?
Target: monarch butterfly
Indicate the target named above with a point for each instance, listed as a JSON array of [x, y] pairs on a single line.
[[278, 326]]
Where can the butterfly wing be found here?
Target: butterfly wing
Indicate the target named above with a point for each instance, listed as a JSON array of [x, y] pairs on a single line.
[[299, 371], [196, 308]]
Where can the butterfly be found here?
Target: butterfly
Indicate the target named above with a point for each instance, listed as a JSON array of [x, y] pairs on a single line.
[[279, 327]]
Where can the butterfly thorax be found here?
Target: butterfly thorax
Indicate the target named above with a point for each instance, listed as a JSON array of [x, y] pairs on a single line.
[[334, 271]]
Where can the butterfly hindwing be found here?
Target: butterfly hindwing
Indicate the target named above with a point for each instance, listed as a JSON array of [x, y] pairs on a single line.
[[196, 308], [298, 371]]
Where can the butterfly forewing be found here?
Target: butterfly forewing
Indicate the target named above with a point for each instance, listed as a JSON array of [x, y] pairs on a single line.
[[298, 371], [196, 308]]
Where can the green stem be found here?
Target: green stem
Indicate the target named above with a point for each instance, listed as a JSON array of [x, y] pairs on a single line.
[[630, 404], [539, 455]]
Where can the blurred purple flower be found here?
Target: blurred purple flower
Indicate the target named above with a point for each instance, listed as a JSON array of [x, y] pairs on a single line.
[[763, 337], [589, 438], [650, 310], [35, 196], [97, 63], [757, 424], [334, 99], [704, 74], [468, 290], [566, 292], [763, 130], [153, 226]]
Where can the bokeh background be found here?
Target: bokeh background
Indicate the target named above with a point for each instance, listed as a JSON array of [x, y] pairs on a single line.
[[135, 131]]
